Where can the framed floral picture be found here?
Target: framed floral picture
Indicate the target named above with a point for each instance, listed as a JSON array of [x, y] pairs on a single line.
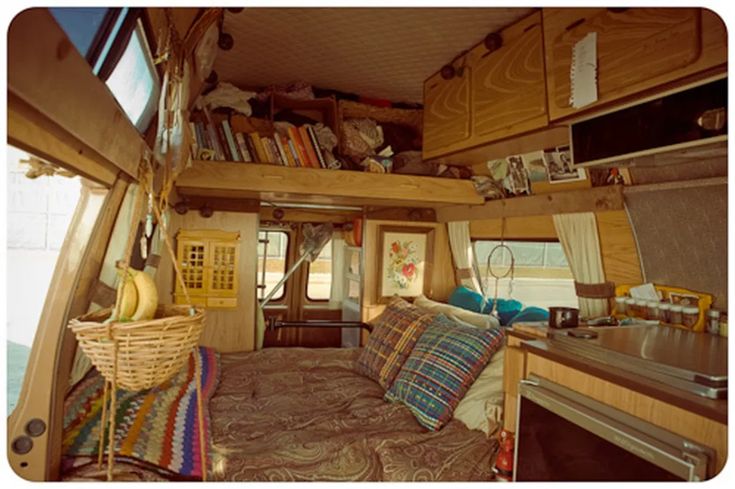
[[404, 261]]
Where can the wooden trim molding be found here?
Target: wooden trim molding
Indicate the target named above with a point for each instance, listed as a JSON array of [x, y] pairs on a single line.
[[47, 73]]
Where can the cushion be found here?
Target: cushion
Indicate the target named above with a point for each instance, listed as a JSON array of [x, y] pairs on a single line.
[[458, 314], [445, 361], [481, 408], [507, 309], [468, 299], [530, 314], [394, 334]]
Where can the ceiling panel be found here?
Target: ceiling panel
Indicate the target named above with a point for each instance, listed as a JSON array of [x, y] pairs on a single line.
[[374, 52]]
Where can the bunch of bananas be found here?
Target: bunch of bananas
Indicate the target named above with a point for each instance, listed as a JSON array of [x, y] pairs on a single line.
[[137, 296]]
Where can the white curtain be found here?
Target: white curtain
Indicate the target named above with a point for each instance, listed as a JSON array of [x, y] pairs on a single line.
[[337, 291], [578, 236], [462, 253]]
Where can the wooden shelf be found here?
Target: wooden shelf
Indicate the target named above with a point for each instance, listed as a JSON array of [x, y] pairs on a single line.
[[308, 185]]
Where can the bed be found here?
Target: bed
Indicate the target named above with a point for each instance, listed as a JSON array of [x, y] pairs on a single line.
[[297, 414]]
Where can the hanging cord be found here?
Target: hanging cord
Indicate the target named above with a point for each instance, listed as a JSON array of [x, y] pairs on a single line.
[[489, 272]]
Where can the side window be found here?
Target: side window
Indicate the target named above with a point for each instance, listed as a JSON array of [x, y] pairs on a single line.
[[114, 43], [272, 257], [541, 275], [319, 281], [40, 210]]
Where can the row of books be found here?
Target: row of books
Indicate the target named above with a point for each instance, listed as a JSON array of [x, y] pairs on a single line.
[[296, 146]]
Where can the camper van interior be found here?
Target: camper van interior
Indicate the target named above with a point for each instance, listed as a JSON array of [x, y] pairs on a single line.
[[367, 244]]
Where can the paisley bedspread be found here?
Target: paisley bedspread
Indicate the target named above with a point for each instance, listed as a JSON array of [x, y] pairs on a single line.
[[297, 414]]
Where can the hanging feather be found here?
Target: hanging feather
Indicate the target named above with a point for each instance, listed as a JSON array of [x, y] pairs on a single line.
[[144, 247]]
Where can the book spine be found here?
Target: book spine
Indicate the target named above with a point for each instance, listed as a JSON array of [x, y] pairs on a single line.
[[294, 153], [287, 150], [274, 149], [231, 141], [315, 144], [279, 147], [267, 150], [262, 156], [201, 136], [313, 161], [243, 147], [223, 143], [250, 142], [214, 140], [299, 145]]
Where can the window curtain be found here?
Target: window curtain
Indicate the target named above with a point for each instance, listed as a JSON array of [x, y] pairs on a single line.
[[580, 241], [462, 253], [337, 290]]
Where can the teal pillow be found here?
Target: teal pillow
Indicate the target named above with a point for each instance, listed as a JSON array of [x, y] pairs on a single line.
[[507, 310], [531, 313], [469, 299]]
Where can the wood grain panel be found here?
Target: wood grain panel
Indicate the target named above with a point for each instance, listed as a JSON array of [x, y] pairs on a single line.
[[637, 50], [277, 183], [514, 370], [685, 423], [442, 279], [617, 245], [226, 329], [528, 227], [446, 111], [508, 84]]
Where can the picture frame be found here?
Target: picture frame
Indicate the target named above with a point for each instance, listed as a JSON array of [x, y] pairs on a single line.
[[559, 165], [405, 259]]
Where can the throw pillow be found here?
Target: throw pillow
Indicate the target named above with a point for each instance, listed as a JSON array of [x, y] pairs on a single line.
[[469, 299], [445, 361], [462, 316], [394, 334]]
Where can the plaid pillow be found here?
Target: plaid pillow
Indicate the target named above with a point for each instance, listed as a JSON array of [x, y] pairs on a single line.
[[394, 333], [441, 368]]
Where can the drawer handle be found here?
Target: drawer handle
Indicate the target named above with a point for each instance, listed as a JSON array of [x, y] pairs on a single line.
[[273, 177]]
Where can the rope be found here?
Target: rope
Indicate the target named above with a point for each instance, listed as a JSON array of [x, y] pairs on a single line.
[[490, 272]]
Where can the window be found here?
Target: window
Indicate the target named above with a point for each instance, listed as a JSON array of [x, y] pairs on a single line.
[[40, 211], [541, 277], [272, 257], [113, 42], [319, 282]]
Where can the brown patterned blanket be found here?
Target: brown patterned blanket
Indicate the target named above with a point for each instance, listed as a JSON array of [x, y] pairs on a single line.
[[297, 414]]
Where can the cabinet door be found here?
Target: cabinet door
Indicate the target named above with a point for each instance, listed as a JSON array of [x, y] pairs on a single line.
[[192, 262], [222, 268], [508, 85], [637, 49], [446, 112]]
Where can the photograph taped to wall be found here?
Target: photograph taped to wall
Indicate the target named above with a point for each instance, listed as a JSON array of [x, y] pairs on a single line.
[[535, 166], [559, 165], [517, 176], [405, 261], [684, 299]]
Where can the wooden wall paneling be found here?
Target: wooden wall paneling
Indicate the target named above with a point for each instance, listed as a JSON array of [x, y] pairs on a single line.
[[442, 279], [585, 200], [618, 247], [447, 109], [309, 215], [226, 330], [514, 370], [48, 73], [673, 418], [528, 227]]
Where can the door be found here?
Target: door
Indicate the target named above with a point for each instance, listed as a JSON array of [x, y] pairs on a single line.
[[508, 84]]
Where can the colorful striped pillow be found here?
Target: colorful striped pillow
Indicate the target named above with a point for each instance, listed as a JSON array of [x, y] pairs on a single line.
[[394, 333], [441, 368]]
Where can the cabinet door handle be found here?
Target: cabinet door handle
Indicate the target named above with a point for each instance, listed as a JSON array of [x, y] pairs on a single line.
[[574, 24]]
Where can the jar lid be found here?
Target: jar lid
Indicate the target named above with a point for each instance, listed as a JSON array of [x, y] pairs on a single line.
[[652, 303], [664, 306], [690, 310], [713, 313], [676, 308], [630, 300], [640, 302]]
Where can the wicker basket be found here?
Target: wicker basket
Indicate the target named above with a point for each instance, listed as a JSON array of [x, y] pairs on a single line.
[[148, 352]]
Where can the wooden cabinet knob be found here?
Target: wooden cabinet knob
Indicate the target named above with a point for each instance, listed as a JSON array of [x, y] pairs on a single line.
[[493, 41]]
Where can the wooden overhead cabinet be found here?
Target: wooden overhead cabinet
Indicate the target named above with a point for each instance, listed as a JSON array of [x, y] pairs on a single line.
[[493, 94], [637, 49]]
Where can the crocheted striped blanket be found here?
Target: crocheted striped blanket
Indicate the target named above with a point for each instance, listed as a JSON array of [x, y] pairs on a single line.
[[156, 427]]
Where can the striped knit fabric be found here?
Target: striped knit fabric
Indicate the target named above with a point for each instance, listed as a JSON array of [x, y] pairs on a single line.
[[441, 368], [157, 426], [394, 334]]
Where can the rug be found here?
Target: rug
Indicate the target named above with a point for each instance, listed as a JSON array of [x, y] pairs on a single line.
[[156, 427]]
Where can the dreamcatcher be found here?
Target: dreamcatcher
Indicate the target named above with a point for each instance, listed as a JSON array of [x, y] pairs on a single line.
[[496, 274]]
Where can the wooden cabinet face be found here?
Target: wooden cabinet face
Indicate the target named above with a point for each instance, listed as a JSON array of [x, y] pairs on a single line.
[[508, 85], [446, 111], [637, 49]]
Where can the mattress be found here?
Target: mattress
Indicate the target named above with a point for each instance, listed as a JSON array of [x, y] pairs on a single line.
[[298, 414]]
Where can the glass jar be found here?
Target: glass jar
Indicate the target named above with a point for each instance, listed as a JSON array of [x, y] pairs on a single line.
[[689, 316], [630, 307], [664, 312], [713, 321], [675, 315], [723, 325], [620, 305], [652, 310], [640, 308]]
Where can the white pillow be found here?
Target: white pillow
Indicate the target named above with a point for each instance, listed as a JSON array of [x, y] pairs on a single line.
[[481, 408], [458, 314]]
